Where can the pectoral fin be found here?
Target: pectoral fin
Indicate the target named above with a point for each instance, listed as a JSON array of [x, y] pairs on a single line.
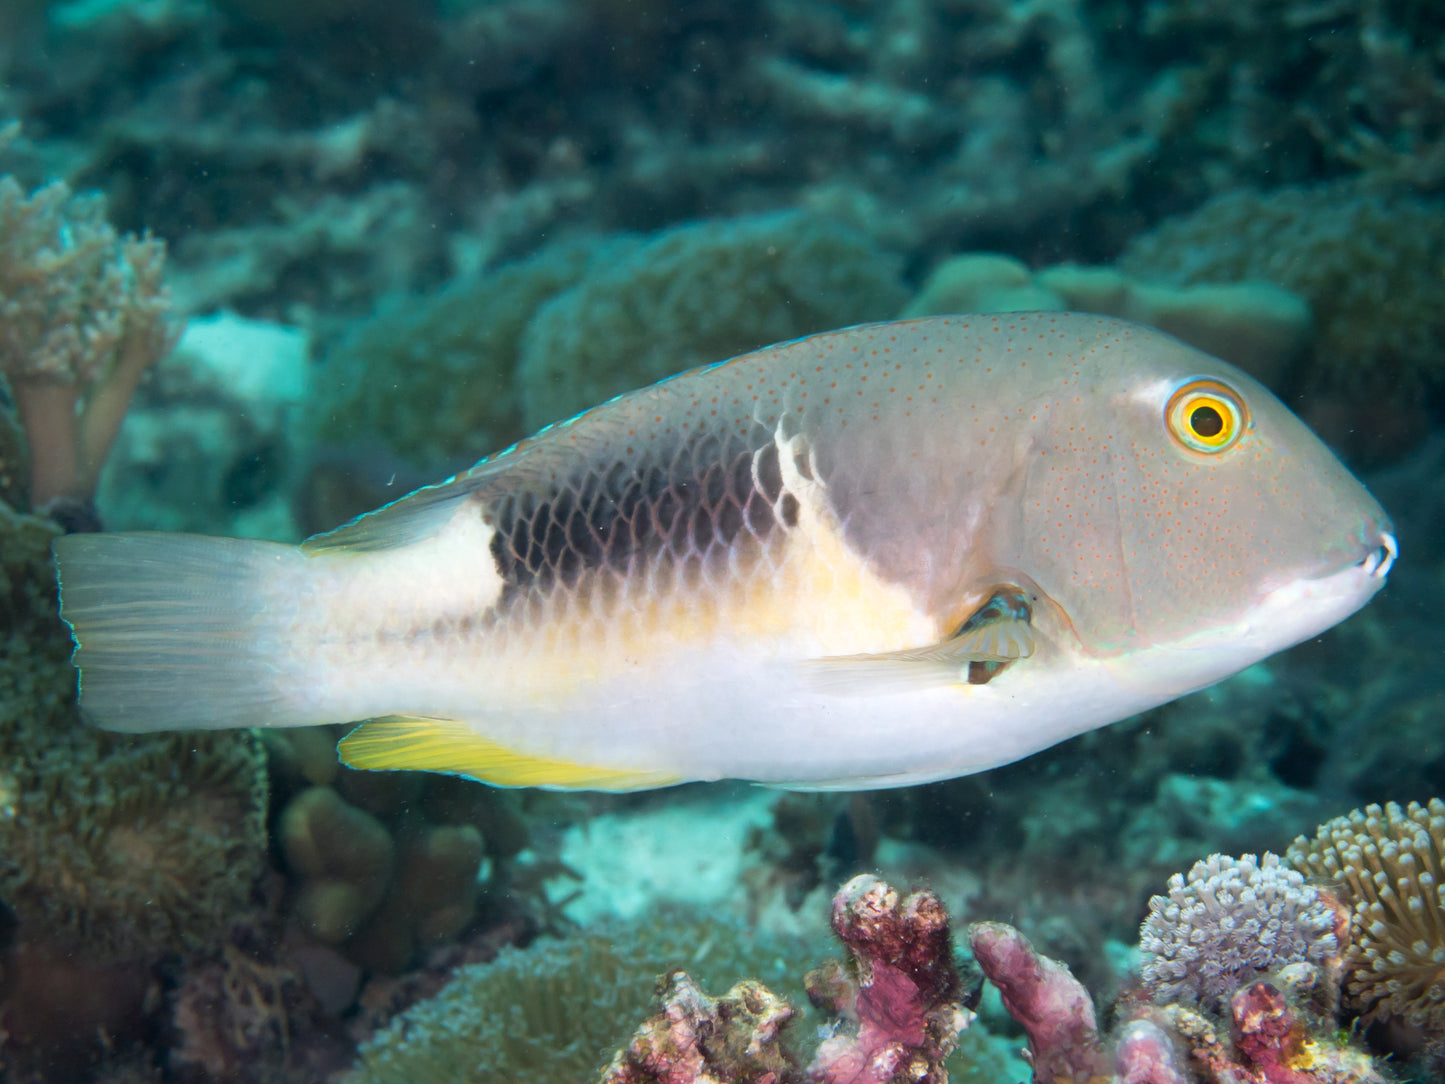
[[998, 633], [453, 746]]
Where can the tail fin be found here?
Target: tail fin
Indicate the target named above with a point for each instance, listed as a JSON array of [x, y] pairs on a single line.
[[181, 632]]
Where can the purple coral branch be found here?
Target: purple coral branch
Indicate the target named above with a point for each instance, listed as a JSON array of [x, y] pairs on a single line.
[[901, 989], [1048, 1002]]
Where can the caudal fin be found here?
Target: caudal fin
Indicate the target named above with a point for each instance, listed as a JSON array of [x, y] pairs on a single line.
[[182, 632]]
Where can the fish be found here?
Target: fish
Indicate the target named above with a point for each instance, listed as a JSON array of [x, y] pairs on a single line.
[[874, 557]]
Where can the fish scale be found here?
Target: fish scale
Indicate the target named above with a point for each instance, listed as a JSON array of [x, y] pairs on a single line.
[[873, 557]]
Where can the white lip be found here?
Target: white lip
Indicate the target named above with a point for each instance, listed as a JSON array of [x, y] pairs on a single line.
[[1286, 616], [1381, 559]]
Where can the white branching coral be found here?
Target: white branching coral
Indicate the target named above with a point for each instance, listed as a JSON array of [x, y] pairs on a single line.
[[1389, 862], [82, 316], [1230, 922]]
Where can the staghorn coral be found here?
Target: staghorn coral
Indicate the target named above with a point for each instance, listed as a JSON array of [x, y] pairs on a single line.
[[82, 316], [1388, 862], [1347, 85], [1231, 921], [696, 294]]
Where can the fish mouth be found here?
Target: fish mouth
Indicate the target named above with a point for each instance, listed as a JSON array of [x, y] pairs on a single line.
[[1378, 562]]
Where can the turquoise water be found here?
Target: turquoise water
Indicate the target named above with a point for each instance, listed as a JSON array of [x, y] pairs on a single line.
[[344, 250]]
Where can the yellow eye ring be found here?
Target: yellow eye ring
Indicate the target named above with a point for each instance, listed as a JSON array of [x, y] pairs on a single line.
[[1206, 416]]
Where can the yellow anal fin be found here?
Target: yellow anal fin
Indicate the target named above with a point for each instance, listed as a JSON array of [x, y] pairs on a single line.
[[404, 743]]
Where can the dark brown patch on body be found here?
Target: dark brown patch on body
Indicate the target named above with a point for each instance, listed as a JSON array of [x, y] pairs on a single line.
[[678, 509]]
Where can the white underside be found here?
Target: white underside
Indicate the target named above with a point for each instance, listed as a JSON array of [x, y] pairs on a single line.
[[743, 711]]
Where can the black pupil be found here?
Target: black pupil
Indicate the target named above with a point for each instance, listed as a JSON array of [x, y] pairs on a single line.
[[1206, 422]]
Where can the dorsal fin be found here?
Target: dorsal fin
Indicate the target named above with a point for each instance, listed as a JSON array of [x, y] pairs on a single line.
[[413, 518]]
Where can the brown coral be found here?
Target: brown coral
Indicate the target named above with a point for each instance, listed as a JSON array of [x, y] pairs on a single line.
[[82, 316], [1388, 860]]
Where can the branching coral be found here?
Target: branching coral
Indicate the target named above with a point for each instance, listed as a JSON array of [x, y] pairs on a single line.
[[82, 316], [1389, 862], [1231, 921]]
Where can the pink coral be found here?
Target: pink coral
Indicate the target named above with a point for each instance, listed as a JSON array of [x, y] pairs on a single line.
[[1146, 1055], [901, 988], [1270, 1036], [1044, 997]]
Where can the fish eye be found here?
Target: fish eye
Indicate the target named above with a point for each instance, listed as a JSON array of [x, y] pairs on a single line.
[[1206, 416]]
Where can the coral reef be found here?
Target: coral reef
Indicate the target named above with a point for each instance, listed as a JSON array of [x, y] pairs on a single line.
[[1366, 261], [210, 443], [1388, 861], [899, 989], [898, 992], [1269, 1039], [116, 852], [1257, 326], [1230, 921], [82, 316], [1268, 1042], [455, 353], [1331, 87], [493, 357], [488, 180], [119, 848], [1041, 994], [696, 1038], [385, 867], [342, 860], [697, 294], [558, 1009]]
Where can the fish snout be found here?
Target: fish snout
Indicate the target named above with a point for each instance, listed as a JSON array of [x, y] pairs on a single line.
[[1378, 561]]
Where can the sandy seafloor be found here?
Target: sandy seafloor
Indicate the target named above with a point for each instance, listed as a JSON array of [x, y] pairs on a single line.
[[400, 236]]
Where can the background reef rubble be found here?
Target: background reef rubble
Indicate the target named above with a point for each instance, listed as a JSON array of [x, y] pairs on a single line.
[[402, 235]]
